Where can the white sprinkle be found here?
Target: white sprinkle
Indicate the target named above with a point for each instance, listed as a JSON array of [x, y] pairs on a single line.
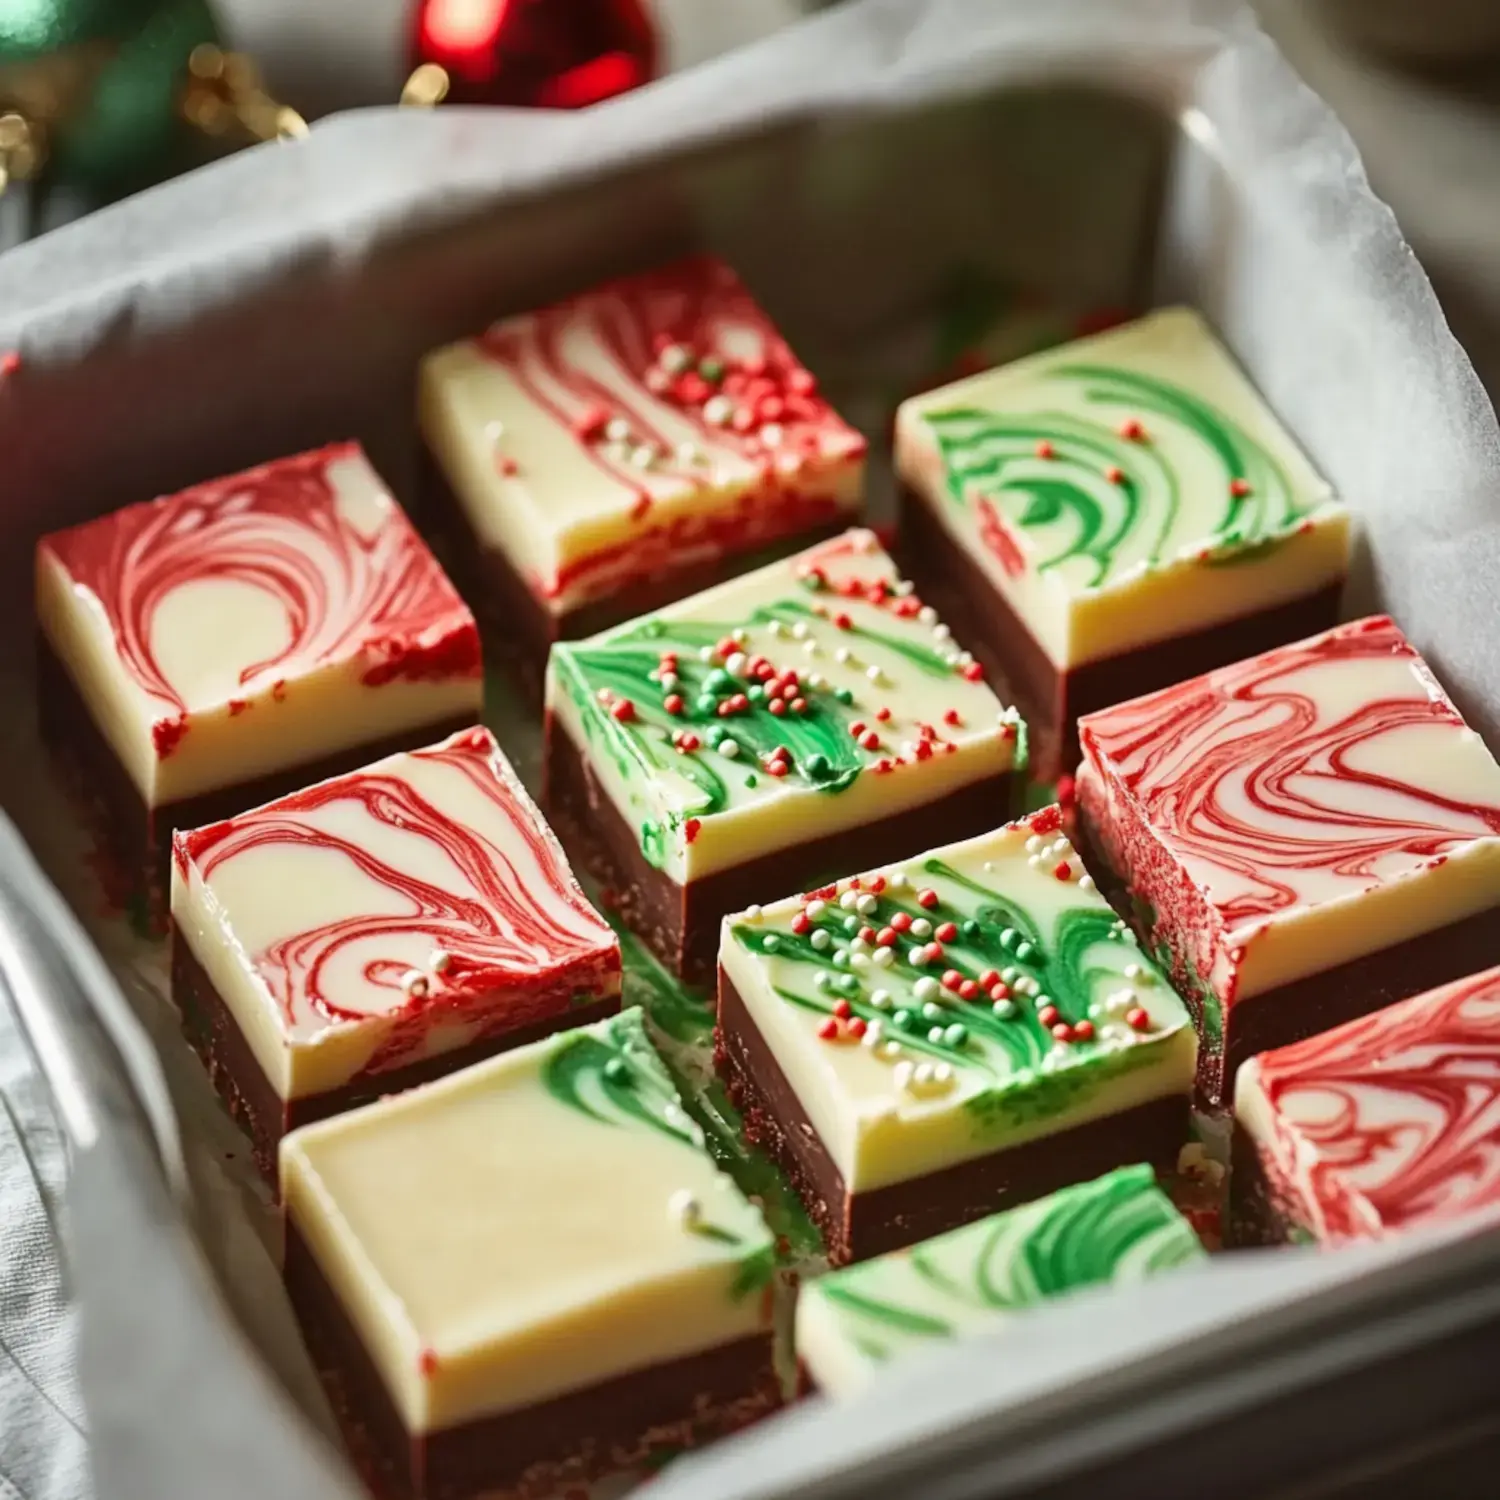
[[736, 663], [874, 673], [657, 380], [493, 432], [729, 748], [822, 980], [815, 909], [922, 1074], [858, 945], [989, 867], [942, 1073], [942, 632], [777, 629], [1097, 1011], [811, 647], [1085, 882], [668, 680], [917, 956], [718, 410], [881, 999], [753, 913], [675, 359], [1139, 975], [617, 430], [843, 656], [866, 905], [617, 453], [1034, 860], [772, 943], [817, 681], [440, 961], [926, 988], [685, 1209], [935, 1035], [908, 749], [414, 982], [688, 454], [705, 653], [643, 457], [739, 635], [921, 928], [902, 1077], [1034, 844], [890, 1050], [841, 959], [864, 541], [771, 434], [964, 658], [820, 939], [874, 1030], [860, 961], [903, 587], [883, 957], [927, 615], [1120, 1000], [897, 880], [799, 631], [849, 900]]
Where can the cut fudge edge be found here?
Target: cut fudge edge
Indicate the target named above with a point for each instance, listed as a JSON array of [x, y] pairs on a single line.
[[134, 837], [680, 923], [577, 1437], [253, 1101], [518, 627], [858, 1225], [1053, 698]]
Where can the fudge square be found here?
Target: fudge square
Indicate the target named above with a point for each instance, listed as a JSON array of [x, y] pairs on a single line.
[[1118, 1229], [205, 651], [1307, 836], [799, 722], [1114, 515], [625, 447], [529, 1273], [948, 1036], [374, 930], [1383, 1124]]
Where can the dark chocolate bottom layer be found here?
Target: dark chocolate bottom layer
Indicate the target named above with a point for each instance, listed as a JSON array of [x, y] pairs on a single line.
[[252, 1099], [1257, 1213], [570, 1439], [681, 923], [518, 628], [133, 839], [858, 1225], [1051, 699]]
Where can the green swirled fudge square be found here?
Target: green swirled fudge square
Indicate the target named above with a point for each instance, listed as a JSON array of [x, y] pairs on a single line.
[[946, 1036], [1114, 515], [529, 1273], [805, 720], [1117, 1230]]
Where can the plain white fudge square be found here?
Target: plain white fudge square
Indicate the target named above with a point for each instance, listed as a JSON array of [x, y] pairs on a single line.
[[1124, 488], [529, 1227], [638, 428], [256, 623]]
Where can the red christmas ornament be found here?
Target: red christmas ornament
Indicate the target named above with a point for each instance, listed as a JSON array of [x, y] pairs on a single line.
[[551, 54]]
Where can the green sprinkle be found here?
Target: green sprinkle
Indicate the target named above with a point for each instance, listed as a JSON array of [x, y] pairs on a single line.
[[1004, 1009], [956, 1035], [851, 924], [812, 582], [935, 1036], [1010, 974], [705, 703], [771, 944], [903, 1019], [849, 984], [822, 979], [970, 928], [752, 780], [1025, 952], [616, 1070], [1009, 937], [711, 368], [817, 764], [841, 959], [755, 693], [932, 1011], [718, 681], [844, 695]]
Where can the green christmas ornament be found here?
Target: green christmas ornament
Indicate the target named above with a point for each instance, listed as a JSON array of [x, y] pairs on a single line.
[[108, 95]]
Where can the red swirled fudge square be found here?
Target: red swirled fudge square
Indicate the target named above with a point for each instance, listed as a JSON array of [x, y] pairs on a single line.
[[627, 446], [1385, 1124], [207, 650], [377, 929], [1306, 836]]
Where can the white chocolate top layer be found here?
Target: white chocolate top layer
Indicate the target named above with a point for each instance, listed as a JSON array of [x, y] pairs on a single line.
[[256, 623], [528, 1227], [648, 424], [1117, 1230], [1124, 488], [390, 915], [811, 696], [958, 1004], [1386, 1123], [1293, 812]]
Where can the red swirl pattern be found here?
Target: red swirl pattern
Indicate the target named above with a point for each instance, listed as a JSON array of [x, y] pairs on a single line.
[[522, 940], [1276, 793], [700, 306], [378, 597], [1394, 1120]]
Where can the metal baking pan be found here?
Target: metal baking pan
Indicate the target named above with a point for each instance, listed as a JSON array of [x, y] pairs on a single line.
[[1102, 152]]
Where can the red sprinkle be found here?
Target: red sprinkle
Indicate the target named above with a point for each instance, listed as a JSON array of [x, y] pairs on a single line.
[[1239, 488], [427, 1361], [989, 978], [777, 708], [875, 884], [928, 898], [901, 921], [776, 768], [842, 1009], [953, 717], [1062, 1032], [10, 362], [589, 424], [973, 671], [1044, 449], [1137, 1019], [967, 990], [883, 714], [999, 991], [1132, 429], [1067, 791], [1115, 474], [1064, 871], [842, 621], [886, 936], [829, 1029], [689, 742], [623, 711], [867, 934], [934, 952], [947, 932], [924, 750], [869, 740], [952, 979], [672, 703], [801, 922], [857, 728], [691, 827], [799, 705], [801, 383], [1083, 1031], [857, 1027], [1048, 1015]]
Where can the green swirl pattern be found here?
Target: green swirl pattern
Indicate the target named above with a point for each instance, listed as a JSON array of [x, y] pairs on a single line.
[[1100, 491], [1118, 1228]]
